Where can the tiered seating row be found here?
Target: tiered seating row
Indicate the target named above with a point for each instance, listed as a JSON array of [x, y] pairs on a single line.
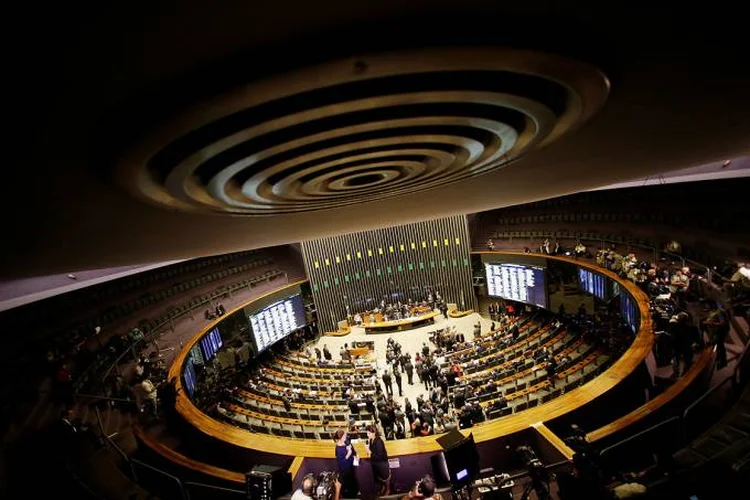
[[196, 302], [320, 389], [500, 355], [318, 414], [507, 363], [510, 375], [575, 235], [526, 328], [540, 382], [154, 324]]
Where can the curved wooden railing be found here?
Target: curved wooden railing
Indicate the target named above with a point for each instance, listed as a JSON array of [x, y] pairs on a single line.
[[487, 431], [701, 364]]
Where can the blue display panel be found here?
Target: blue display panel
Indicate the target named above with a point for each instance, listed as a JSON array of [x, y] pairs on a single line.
[[593, 283], [517, 282], [276, 321], [629, 310], [188, 376], [211, 343]]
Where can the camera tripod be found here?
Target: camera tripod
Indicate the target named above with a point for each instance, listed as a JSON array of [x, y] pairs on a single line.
[[540, 486]]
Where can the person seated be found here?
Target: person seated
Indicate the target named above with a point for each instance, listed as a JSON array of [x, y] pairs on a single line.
[[425, 430], [424, 488], [68, 424]]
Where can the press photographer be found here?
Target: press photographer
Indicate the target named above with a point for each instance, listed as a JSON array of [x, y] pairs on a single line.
[[324, 486], [424, 488]]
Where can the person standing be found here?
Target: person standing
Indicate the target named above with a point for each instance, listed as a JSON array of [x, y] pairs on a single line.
[[409, 368], [397, 376], [426, 375], [346, 459], [326, 353], [718, 328], [552, 371], [388, 383], [379, 460]]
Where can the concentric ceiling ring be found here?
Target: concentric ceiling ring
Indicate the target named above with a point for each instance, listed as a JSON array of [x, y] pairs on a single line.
[[355, 131]]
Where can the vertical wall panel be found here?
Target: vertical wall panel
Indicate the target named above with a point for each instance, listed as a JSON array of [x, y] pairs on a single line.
[[357, 277]]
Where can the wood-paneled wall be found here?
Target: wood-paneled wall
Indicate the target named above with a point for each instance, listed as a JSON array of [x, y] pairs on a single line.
[[359, 270]]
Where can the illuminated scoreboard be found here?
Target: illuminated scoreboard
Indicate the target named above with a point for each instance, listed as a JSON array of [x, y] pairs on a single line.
[[517, 282], [276, 321]]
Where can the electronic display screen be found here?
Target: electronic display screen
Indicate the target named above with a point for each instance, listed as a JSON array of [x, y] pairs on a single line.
[[276, 321], [196, 355], [517, 282], [188, 376], [211, 343], [629, 310], [593, 283]]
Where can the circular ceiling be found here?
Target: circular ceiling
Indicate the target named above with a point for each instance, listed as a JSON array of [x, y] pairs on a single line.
[[358, 130]]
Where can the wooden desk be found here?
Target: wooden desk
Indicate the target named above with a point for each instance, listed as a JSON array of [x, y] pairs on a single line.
[[295, 404], [401, 324], [455, 313], [359, 351]]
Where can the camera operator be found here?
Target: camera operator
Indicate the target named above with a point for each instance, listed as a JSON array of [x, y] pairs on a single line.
[[540, 477], [308, 490], [424, 488]]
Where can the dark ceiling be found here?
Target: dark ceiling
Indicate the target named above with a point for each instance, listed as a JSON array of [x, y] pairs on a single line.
[[89, 86]]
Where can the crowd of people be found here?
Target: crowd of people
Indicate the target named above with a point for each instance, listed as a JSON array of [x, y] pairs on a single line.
[[682, 329], [394, 311]]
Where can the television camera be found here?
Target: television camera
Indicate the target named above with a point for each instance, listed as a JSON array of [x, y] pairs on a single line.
[[323, 485]]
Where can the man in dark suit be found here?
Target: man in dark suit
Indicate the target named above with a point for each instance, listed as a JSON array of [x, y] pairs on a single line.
[[397, 376], [388, 382], [409, 368]]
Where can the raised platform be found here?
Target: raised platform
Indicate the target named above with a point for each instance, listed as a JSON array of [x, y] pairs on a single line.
[[401, 324]]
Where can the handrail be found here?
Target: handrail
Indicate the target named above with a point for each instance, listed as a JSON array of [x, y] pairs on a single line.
[[638, 434], [738, 365], [189, 484], [655, 250], [697, 401], [705, 395], [79, 395], [170, 476], [167, 321], [662, 399], [101, 398], [114, 445]]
